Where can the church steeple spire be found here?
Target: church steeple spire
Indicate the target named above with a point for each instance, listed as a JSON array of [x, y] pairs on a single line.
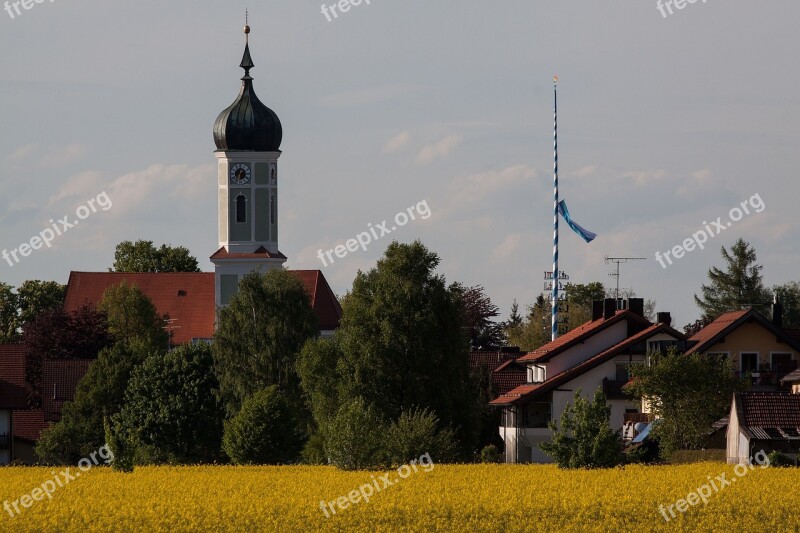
[[247, 61]]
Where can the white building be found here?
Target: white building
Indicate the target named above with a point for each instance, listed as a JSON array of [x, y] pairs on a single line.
[[596, 354]]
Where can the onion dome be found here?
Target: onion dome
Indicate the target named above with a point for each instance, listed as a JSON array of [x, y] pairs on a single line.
[[247, 124]]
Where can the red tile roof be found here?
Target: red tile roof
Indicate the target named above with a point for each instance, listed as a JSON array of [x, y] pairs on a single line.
[[579, 334], [188, 298], [261, 253], [770, 409], [13, 390], [28, 425], [509, 376], [528, 391], [491, 360], [59, 381], [722, 324], [706, 338]]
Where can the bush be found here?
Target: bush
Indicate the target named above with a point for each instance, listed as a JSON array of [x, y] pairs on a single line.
[[264, 431], [354, 438], [415, 433], [585, 439], [314, 451], [779, 460], [490, 454]]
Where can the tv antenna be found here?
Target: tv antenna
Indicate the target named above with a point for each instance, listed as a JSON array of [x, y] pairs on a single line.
[[618, 261]]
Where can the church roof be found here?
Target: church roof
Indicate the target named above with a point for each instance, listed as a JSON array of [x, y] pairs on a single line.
[[188, 297]]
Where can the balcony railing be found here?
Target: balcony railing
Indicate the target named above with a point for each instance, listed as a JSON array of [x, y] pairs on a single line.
[[636, 418], [5, 441], [768, 377]]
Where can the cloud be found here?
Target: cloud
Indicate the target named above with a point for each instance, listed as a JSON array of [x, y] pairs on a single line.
[[396, 143], [645, 177], [21, 153], [584, 171], [508, 247], [439, 149], [63, 156], [369, 95]]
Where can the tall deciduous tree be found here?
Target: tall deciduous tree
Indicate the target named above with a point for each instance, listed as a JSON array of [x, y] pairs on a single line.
[[687, 392], [739, 285], [9, 314], [788, 295], [170, 413], [143, 256], [479, 312], [259, 336], [535, 331], [56, 334], [37, 296], [401, 344], [132, 316], [100, 394]]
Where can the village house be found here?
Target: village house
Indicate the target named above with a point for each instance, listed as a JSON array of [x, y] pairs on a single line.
[[594, 355]]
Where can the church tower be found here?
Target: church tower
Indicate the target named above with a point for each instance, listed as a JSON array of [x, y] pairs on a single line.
[[248, 136]]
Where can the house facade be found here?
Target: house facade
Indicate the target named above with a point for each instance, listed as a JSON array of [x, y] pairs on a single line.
[[594, 355], [768, 421], [762, 352]]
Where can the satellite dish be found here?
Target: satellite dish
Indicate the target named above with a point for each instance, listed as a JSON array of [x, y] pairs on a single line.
[[639, 427]]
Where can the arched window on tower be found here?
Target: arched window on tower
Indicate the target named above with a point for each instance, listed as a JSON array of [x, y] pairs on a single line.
[[241, 209]]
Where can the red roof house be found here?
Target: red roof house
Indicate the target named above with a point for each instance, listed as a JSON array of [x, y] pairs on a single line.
[[188, 298]]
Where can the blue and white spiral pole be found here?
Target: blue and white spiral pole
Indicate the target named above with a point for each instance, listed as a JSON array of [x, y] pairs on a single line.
[[554, 320]]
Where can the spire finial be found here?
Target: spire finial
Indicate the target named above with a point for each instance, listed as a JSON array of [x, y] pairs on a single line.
[[247, 62]]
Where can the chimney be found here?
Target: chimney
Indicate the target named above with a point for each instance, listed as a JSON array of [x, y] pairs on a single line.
[[636, 306], [597, 310], [777, 313], [609, 308], [664, 318]]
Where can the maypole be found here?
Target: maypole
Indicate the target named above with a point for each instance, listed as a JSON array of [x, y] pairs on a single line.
[[554, 320]]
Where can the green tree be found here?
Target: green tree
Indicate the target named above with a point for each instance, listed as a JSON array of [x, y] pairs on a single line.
[[264, 431], [170, 413], [788, 295], [402, 343], [415, 433], [9, 314], [535, 330], [143, 256], [585, 438], [132, 317], [37, 296], [100, 393], [354, 437], [739, 285], [478, 314], [259, 336], [688, 393]]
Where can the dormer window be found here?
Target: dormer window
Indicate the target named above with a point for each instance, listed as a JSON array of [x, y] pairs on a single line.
[[536, 374]]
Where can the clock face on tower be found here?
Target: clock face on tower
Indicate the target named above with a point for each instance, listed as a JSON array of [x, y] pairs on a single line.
[[240, 174]]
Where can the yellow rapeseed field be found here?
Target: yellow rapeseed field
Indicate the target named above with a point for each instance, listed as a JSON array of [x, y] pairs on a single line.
[[446, 498]]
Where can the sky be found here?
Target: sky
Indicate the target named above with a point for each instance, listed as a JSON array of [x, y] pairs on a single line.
[[666, 123]]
